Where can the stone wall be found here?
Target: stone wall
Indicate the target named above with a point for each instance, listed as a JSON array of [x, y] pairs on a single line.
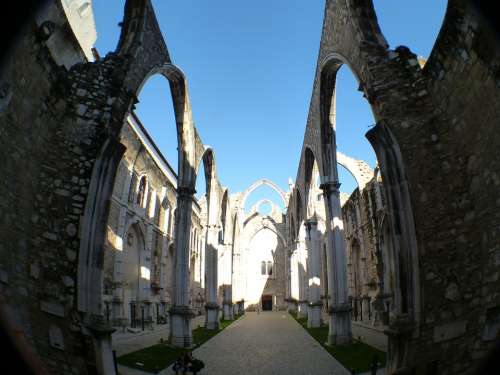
[[436, 145]]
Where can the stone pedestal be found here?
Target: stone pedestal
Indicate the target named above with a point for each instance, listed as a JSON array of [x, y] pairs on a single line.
[[180, 326], [339, 332], [314, 315], [399, 334], [212, 316], [227, 311], [101, 337], [302, 309], [291, 306]]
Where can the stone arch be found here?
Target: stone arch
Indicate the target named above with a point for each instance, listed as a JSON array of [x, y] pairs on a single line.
[[359, 169], [209, 167], [310, 170], [435, 32], [134, 247], [141, 53], [263, 181], [387, 252], [401, 222], [299, 212], [268, 225], [225, 217]]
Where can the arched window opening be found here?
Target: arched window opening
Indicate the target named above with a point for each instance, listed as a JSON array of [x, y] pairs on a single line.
[[107, 17], [156, 115], [201, 184], [352, 125], [265, 208], [263, 270], [401, 23]]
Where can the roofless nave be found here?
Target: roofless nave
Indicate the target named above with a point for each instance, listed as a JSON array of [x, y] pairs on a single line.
[[98, 232]]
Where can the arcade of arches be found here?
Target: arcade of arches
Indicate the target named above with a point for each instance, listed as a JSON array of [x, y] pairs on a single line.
[[105, 234]]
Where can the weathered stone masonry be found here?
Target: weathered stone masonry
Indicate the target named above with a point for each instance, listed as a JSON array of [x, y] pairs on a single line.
[[435, 141]]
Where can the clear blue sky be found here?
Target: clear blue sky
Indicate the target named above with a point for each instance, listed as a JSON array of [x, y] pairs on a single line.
[[250, 67]]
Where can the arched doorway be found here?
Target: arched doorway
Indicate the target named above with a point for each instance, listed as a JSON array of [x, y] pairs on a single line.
[[132, 273]]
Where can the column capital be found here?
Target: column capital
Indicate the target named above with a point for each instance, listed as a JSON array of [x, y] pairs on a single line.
[[330, 187], [185, 192], [98, 327], [212, 226], [310, 222]]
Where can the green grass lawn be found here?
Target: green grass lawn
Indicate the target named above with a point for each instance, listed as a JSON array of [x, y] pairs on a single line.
[[157, 357], [357, 356]]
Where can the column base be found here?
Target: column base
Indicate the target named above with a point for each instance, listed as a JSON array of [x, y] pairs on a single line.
[[340, 328], [314, 315], [181, 335], [101, 336], [212, 316], [302, 309], [227, 311], [291, 306]]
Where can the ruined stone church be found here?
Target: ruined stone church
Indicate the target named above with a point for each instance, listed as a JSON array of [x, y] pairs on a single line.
[[100, 234]]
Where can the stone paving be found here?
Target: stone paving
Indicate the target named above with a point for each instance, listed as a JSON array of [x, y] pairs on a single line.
[[269, 343]]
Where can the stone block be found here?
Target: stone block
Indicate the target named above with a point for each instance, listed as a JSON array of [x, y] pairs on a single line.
[[449, 331], [56, 338], [53, 308]]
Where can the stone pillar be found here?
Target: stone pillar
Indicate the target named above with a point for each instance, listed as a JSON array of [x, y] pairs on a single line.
[[340, 328], [227, 303], [313, 272], [302, 278], [399, 333], [181, 313], [211, 263], [101, 338], [302, 308]]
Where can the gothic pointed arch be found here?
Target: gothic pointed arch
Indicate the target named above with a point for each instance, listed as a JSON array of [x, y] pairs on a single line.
[[267, 182]]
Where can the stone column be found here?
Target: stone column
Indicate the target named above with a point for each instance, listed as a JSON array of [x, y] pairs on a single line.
[[313, 271], [227, 302], [399, 333], [340, 328], [211, 263], [302, 279], [181, 313]]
